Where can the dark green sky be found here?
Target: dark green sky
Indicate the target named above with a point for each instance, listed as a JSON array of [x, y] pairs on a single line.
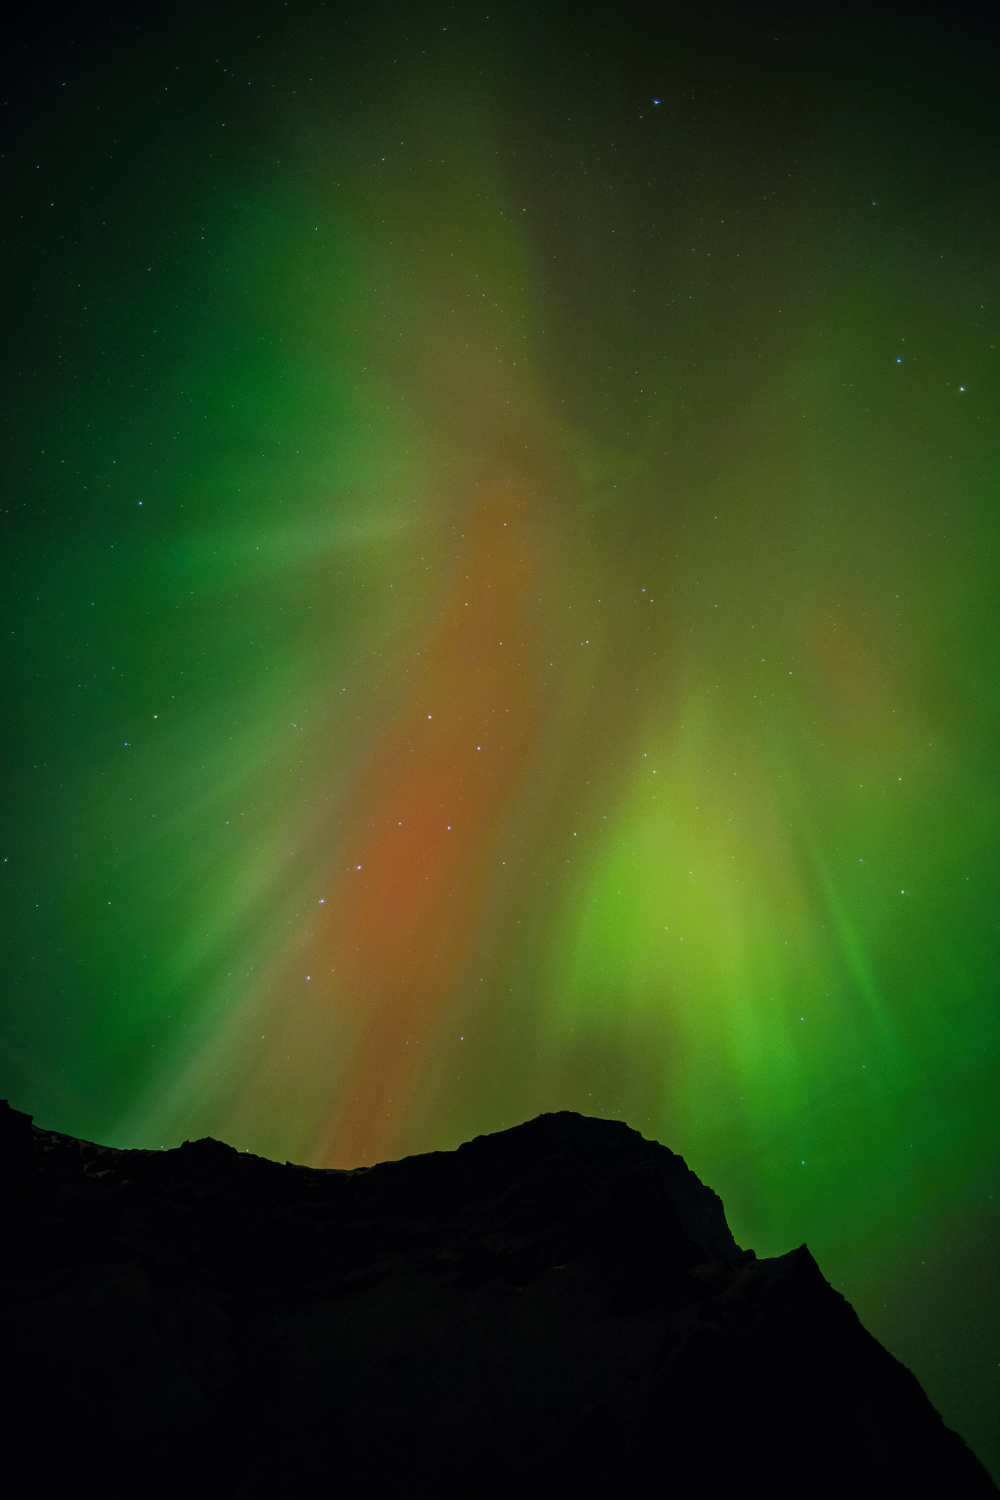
[[500, 594]]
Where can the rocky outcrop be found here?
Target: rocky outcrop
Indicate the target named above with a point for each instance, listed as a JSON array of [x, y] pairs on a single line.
[[558, 1309]]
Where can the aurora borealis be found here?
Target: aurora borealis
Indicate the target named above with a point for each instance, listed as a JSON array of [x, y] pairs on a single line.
[[500, 593]]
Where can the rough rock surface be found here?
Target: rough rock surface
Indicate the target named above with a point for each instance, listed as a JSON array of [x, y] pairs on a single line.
[[558, 1309]]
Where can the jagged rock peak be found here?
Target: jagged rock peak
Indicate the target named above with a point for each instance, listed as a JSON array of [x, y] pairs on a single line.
[[555, 1310]]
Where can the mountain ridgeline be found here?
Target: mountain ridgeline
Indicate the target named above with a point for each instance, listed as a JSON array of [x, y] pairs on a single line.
[[555, 1310]]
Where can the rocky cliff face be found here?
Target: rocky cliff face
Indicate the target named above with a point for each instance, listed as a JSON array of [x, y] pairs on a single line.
[[558, 1309]]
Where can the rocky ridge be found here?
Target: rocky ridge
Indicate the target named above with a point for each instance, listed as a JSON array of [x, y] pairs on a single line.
[[557, 1309]]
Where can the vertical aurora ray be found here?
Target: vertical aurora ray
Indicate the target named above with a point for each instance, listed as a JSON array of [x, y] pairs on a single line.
[[501, 598]]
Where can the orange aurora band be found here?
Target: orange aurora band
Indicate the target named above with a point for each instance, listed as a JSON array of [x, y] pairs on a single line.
[[415, 885], [404, 912]]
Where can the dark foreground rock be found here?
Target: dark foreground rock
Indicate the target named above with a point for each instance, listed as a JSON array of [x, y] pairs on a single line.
[[556, 1310]]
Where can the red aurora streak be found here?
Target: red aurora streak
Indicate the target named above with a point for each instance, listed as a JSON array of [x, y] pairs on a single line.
[[405, 910]]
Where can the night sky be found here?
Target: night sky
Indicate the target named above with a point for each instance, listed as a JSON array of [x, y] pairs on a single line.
[[500, 602]]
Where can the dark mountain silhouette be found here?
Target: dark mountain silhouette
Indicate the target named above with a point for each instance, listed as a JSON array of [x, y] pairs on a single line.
[[556, 1310]]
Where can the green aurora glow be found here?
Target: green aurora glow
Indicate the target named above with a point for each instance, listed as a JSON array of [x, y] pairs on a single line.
[[501, 595]]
